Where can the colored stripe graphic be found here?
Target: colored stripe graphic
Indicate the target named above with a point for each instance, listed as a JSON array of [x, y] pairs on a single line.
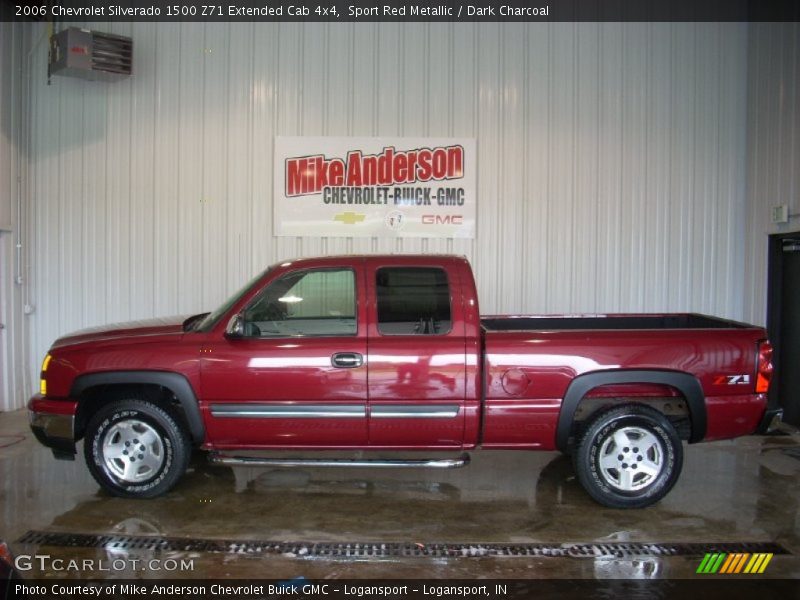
[[711, 562], [758, 563], [704, 564], [753, 562], [740, 564], [768, 557], [729, 564], [716, 565], [734, 562]]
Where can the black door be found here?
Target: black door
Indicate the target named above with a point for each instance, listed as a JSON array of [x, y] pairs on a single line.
[[784, 322]]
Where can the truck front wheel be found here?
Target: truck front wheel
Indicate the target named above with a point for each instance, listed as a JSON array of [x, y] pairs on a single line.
[[136, 449], [629, 457]]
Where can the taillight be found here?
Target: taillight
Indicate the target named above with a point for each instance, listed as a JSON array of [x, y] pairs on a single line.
[[764, 367], [43, 375]]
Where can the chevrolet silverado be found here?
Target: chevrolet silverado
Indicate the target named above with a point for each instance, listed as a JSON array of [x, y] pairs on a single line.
[[382, 355]]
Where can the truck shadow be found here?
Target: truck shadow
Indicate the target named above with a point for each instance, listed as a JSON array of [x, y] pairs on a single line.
[[330, 504], [493, 500]]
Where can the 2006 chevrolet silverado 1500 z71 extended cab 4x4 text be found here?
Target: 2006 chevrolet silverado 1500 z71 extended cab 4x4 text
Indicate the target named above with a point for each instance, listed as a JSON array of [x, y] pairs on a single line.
[[390, 353]]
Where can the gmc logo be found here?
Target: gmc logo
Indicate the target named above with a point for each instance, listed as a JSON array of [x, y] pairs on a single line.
[[442, 219]]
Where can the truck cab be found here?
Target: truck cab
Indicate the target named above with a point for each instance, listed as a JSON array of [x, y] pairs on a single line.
[[345, 353]]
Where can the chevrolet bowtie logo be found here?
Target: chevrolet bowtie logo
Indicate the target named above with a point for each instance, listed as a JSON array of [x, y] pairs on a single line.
[[349, 218]]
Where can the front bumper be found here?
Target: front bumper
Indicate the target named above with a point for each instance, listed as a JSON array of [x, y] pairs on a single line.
[[770, 421], [53, 424]]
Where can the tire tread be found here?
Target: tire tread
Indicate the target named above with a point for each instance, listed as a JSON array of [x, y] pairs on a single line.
[[610, 498], [181, 446]]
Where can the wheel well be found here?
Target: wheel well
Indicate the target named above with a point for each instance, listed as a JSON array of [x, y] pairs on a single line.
[[667, 400], [639, 383], [92, 398]]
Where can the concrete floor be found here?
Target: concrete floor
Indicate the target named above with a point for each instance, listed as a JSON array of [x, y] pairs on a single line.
[[745, 490]]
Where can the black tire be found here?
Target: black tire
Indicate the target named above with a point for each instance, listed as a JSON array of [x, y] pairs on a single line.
[[150, 467], [618, 473]]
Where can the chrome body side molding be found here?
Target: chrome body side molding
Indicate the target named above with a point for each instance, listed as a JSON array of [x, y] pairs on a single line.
[[279, 411], [417, 411]]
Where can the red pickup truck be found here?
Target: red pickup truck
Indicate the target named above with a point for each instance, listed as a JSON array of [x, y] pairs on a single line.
[[390, 353]]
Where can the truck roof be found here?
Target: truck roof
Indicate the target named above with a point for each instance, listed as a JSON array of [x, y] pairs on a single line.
[[391, 258]]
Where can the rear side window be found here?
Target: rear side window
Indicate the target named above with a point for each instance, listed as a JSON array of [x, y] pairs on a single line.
[[413, 301], [305, 303]]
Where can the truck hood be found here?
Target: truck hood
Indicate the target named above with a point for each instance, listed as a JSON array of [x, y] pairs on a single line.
[[131, 329]]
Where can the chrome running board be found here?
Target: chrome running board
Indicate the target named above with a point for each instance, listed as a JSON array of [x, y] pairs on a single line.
[[219, 458]]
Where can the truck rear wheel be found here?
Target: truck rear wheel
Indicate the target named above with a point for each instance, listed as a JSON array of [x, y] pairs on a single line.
[[136, 449], [629, 457]]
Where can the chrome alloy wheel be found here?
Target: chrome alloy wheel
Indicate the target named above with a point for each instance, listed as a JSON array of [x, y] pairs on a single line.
[[631, 459], [133, 451]]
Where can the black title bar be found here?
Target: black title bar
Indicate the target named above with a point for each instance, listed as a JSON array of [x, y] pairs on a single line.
[[333, 11], [400, 589]]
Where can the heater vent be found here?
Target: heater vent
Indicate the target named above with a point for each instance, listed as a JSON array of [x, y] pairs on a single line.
[[90, 55]]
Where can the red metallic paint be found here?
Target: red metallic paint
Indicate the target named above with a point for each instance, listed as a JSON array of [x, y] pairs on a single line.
[[526, 372], [521, 423], [733, 416], [38, 404], [286, 372], [405, 372]]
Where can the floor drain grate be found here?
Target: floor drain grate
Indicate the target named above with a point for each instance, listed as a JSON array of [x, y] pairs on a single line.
[[388, 549]]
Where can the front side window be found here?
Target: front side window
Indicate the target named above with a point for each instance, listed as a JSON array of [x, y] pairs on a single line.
[[413, 301], [303, 303]]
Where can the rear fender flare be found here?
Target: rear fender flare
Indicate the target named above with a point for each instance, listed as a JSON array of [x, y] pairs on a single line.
[[686, 384], [174, 382]]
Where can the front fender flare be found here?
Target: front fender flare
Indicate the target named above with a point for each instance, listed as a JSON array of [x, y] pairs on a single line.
[[175, 382]]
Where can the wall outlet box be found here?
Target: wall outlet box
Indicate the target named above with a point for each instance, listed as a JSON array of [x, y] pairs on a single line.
[[780, 214]]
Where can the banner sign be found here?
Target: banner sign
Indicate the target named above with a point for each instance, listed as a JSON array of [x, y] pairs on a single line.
[[381, 187]]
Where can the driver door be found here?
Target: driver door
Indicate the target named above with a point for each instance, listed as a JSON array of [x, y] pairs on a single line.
[[298, 376]]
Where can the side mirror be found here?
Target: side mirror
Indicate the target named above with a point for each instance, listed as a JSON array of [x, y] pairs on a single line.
[[235, 328]]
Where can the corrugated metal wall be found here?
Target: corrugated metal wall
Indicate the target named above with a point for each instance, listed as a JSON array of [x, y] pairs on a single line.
[[611, 161], [10, 59], [12, 162], [773, 163]]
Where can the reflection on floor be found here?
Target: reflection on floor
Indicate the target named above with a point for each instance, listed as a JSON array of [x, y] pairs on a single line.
[[740, 491]]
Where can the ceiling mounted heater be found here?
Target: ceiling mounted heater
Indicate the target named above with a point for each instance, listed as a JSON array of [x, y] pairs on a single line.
[[90, 55]]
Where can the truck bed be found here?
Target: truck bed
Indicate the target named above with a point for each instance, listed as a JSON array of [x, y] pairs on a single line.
[[607, 322], [530, 363]]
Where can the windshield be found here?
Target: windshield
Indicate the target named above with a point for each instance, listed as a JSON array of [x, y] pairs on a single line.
[[211, 320]]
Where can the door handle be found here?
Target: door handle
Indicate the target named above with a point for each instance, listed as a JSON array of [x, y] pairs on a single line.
[[347, 360]]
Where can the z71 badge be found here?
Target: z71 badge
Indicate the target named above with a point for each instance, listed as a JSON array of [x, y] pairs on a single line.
[[732, 380]]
